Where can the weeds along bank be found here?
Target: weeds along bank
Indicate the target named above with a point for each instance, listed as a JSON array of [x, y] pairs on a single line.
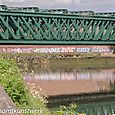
[[82, 60], [11, 80]]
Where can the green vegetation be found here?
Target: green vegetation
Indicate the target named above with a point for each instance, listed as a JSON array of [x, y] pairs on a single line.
[[63, 110], [85, 63], [67, 60], [66, 55], [11, 79]]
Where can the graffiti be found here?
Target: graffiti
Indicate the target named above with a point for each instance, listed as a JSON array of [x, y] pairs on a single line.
[[93, 50], [54, 50], [47, 50], [100, 50], [22, 50], [67, 50], [57, 49], [83, 49]]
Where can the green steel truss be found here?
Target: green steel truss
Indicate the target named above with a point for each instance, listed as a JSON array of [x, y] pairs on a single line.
[[105, 108], [50, 28]]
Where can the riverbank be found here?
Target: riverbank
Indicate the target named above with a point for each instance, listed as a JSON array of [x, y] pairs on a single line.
[[30, 102], [66, 55], [62, 60], [85, 63], [12, 81]]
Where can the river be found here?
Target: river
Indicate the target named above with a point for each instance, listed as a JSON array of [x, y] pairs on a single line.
[[65, 83], [74, 81]]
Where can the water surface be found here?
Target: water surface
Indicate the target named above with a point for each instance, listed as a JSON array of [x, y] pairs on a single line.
[[72, 81]]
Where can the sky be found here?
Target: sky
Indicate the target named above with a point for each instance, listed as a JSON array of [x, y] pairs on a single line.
[[95, 5]]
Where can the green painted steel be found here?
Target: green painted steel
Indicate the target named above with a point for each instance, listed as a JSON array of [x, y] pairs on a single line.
[[105, 108], [54, 27], [106, 13]]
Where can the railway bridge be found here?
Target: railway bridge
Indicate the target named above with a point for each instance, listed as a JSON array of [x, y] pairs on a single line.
[[31, 25]]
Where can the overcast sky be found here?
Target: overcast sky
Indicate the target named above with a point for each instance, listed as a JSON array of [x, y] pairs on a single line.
[[96, 5]]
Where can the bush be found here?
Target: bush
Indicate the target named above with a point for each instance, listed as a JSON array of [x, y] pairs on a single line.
[[11, 80], [63, 110]]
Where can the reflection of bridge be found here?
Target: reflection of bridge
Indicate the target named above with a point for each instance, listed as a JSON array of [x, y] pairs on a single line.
[[105, 108], [35, 26]]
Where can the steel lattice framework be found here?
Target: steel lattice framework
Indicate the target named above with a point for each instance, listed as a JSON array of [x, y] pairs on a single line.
[[50, 28]]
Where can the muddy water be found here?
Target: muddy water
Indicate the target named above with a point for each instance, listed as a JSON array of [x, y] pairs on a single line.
[[72, 81]]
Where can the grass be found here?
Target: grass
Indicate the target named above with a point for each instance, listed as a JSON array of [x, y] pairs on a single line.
[[83, 63], [65, 60], [53, 55], [11, 80]]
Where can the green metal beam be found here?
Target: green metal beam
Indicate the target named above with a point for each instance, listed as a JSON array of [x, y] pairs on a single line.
[[55, 42], [43, 28]]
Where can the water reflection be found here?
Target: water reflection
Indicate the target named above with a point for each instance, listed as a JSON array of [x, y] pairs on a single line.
[[73, 81]]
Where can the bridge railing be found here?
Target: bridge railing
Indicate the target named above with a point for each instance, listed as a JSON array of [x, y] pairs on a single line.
[[55, 11], [55, 28]]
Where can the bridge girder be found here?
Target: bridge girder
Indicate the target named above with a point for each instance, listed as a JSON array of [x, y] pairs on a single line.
[[46, 28]]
